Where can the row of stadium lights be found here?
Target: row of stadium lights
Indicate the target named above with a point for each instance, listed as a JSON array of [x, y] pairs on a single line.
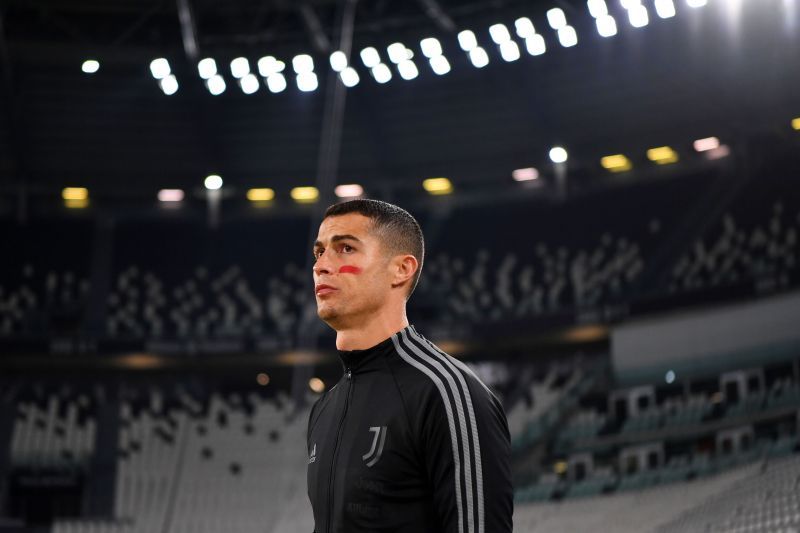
[[273, 70], [78, 197], [710, 147]]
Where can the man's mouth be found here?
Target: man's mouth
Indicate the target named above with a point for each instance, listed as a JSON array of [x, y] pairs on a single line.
[[322, 290]]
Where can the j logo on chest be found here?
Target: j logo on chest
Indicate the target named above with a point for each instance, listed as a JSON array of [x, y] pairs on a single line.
[[375, 451]]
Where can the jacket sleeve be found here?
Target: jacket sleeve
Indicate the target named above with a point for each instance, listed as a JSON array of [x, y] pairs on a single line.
[[466, 449]]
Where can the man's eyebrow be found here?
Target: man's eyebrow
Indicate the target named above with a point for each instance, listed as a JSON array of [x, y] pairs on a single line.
[[337, 238]]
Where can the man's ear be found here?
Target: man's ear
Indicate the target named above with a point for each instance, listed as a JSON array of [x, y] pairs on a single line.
[[404, 267]]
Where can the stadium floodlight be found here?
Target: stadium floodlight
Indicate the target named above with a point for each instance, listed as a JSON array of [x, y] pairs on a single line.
[[276, 83], [260, 194], [268, 65], [638, 16], [216, 84], [349, 190], [431, 47], [556, 18], [509, 51], [398, 53], [598, 8], [304, 194], [75, 193], [349, 77], [160, 68], [440, 65], [567, 36], [704, 145], [90, 66], [479, 57], [249, 84], [302, 63], [206, 68], [437, 186], [606, 26], [240, 67], [535, 45], [170, 195], [169, 84], [665, 8], [408, 70], [381, 73], [213, 182], [370, 57], [696, 3], [467, 40], [338, 61], [307, 82], [663, 155], [616, 163], [558, 155], [524, 27], [499, 33], [525, 174]]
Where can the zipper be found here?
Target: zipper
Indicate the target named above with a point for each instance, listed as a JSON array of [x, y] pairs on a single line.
[[349, 376]]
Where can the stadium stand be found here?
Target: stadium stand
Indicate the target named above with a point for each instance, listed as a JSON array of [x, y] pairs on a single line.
[[634, 511], [170, 277], [226, 462], [765, 500], [755, 241], [193, 462], [44, 276], [60, 430], [520, 268]]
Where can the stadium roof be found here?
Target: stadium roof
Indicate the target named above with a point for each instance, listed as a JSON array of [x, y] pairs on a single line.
[[705, 71]]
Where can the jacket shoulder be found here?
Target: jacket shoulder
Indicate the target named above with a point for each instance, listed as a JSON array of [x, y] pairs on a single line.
[[427, 370]]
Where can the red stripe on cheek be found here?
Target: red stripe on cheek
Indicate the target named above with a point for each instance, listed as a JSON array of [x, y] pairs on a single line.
[[349, 269]]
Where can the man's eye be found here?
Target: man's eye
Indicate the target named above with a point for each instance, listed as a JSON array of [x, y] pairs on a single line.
[[347, 246]]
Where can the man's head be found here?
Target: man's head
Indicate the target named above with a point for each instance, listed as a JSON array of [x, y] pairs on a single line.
[[371, 252]]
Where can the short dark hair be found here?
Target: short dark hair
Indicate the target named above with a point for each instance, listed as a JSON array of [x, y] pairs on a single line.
[[399, 230]]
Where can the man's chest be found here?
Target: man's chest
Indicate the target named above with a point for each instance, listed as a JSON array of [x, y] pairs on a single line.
[[362, 452]]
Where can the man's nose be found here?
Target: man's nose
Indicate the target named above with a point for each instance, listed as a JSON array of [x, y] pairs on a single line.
[[322, 266]]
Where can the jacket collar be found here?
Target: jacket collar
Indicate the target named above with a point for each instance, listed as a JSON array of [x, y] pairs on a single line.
[[369, 358]]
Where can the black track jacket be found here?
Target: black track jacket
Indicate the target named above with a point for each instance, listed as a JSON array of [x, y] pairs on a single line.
[[408, 441]]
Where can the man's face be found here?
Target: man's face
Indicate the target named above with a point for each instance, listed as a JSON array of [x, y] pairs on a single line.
[[351, 260]]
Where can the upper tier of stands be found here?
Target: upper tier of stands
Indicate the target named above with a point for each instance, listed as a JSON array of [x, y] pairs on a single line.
[[756, 239], [171, 276], [45, 275]]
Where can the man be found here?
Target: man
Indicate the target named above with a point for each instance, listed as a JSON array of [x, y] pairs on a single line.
[[409, 440]]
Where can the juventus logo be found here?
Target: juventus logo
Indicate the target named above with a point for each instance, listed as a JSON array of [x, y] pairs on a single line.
[[372, 456]]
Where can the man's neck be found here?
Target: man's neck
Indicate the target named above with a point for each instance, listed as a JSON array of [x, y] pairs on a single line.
[[371, 333]]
